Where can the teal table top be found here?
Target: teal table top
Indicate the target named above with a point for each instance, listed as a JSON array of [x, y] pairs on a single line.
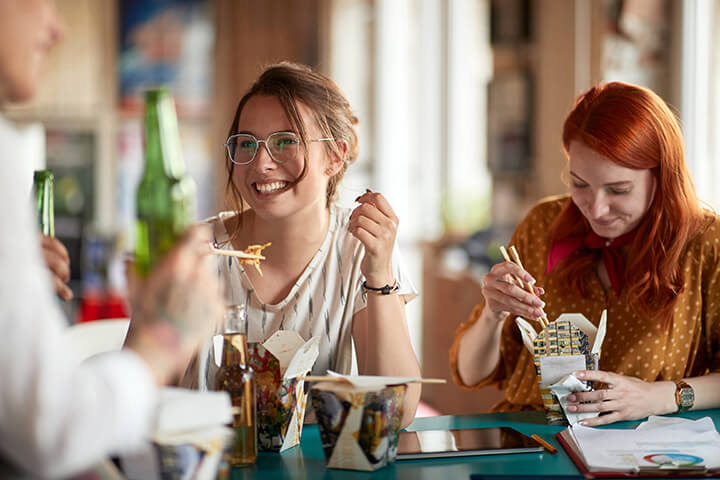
[[307, 461]]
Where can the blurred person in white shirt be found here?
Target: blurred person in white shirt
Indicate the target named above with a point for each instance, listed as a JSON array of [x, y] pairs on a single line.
[[57, 418]]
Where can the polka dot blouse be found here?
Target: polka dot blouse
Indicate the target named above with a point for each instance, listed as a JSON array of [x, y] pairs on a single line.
[[634, 346]]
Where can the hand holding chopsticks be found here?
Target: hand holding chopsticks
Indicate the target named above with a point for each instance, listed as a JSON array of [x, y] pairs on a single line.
[[509, 289], [516, 260]]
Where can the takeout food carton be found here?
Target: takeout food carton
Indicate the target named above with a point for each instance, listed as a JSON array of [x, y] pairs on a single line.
[[280, 394], [568, 344], [359, 420], [188, 438]]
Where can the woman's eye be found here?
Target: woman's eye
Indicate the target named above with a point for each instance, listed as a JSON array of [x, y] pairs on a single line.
[[579, 185], [619, 191], [282, 141]]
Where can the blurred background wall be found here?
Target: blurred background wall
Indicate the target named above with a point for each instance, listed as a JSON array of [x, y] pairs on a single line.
[[461, 104]]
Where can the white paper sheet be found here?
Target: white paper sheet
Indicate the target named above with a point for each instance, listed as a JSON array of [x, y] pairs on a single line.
[[658, 441], [564, 387]]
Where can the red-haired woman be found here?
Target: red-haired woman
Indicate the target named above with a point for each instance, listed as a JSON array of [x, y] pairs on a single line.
[[631, 238]]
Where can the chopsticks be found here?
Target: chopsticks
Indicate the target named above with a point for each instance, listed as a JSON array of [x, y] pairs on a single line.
[[543, 320], [236, 253], [333, 378]]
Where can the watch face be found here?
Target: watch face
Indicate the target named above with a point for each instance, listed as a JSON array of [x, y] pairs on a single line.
[[686, 397]]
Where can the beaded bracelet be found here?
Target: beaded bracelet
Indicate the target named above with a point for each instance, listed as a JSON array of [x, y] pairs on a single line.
[[386, 290]]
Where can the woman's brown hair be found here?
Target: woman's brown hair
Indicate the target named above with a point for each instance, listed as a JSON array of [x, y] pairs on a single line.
[[633, 127], [292, 84]]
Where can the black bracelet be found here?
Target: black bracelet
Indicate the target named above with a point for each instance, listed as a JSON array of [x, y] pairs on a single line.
[[386, 290]]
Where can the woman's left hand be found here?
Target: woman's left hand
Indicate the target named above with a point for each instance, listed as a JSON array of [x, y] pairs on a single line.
[[626, 398], [375, 224]]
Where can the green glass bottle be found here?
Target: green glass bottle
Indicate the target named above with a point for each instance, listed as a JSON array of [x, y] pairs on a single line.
[[43, 187], [165, 198]]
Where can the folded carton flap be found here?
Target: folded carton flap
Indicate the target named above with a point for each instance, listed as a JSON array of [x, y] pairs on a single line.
[[579, 320], [528, 333], [211, 439], [283, 344], [600, 337], [181, 410], [373, 381], [304, 358]]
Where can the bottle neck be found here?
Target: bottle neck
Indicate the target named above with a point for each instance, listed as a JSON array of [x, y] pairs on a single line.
[[43, 186], [163, 156], [235, 349]]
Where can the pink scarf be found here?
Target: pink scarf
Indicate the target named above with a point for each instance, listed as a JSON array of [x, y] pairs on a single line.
[[611, 251]]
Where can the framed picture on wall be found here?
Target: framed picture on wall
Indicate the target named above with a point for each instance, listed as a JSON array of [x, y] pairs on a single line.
[[167, 42], [510, 123], [510, 21]]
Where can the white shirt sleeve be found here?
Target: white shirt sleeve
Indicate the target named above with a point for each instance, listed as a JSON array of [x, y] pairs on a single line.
[[55, 418]]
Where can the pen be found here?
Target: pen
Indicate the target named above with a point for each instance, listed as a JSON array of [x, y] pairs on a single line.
[[545, 444]]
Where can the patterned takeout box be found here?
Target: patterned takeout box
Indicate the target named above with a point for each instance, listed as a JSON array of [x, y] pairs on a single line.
[[568, 344], [359, 425], [280, 395]]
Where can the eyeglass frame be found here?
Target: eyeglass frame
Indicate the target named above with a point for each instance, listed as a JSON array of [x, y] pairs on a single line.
[[227, 145]]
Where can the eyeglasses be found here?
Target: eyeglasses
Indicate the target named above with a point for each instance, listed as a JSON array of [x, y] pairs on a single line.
[[282, 147]]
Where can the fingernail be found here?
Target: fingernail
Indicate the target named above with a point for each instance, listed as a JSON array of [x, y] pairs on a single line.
[[538, 312], [571, 398], [583, 423], [539, 302], [532, 281], [541, 291], [580, 374], [572, 408]]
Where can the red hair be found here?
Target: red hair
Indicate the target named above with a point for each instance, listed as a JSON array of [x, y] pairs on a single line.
[[633, 127]]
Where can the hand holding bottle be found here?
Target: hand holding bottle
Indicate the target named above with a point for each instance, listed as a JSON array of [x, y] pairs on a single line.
[[175, 307], [58, 262]]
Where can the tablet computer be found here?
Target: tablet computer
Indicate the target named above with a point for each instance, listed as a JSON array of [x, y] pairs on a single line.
[[464, 442]]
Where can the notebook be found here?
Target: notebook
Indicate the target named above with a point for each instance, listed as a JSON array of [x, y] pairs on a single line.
[[661, 446]]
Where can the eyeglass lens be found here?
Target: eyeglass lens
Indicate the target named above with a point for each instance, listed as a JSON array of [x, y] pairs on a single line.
[[283, 146]]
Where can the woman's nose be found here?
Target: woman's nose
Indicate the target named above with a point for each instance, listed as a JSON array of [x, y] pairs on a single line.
[[599, 205], [263, 160]]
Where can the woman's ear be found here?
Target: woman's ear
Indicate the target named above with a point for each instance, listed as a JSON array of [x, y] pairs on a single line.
[[336, 162]]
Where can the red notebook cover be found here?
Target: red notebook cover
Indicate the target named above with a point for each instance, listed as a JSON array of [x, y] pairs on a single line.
[[571, 448]]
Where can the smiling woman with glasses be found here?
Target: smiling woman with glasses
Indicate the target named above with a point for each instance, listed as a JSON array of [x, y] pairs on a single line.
[[331, 272]]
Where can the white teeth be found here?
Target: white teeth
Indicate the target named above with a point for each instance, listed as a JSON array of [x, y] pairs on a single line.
[[270, 187]]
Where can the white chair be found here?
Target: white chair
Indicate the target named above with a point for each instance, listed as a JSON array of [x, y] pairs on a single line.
[[87, 339]]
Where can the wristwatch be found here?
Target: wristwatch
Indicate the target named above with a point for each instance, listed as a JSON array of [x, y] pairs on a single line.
[[684, 395]]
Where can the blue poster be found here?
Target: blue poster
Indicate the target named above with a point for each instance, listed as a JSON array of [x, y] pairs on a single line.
[[166, 42]]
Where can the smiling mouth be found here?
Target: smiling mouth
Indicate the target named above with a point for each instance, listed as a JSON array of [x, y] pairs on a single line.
[[271, 187]]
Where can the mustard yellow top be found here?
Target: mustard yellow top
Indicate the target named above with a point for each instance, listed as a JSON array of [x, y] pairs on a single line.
[[633, 346]]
